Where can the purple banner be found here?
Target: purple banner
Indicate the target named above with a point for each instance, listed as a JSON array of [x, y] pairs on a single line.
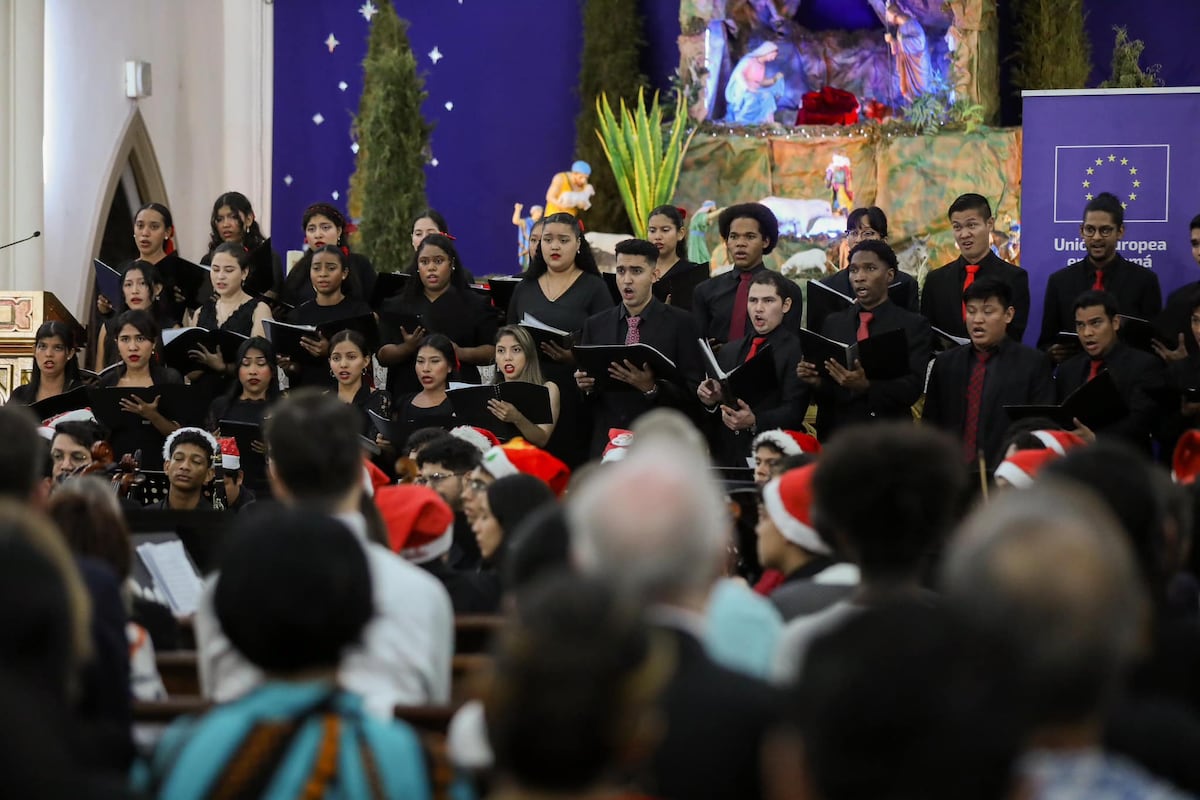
[[1139, 145]]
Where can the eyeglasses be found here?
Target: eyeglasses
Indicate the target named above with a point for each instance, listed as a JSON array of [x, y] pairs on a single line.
[[864, 233], [477, 485], [1104, 230], [436, 477]]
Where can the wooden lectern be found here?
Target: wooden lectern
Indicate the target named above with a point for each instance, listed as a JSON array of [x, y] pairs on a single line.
[[21, 313]]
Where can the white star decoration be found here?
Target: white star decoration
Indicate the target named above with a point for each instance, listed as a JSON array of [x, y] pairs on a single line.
[[317, 118], [449, 106], [368, 10], [433, 162], [343, 85], [287, 180], [331, 42], [354, 148], [435, 55], [336, 195]]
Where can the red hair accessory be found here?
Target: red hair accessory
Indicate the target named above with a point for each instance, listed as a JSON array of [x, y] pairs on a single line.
[[581, 228], [682, 211], [350, 228], [447, 235], [169, 247], [345, 250]]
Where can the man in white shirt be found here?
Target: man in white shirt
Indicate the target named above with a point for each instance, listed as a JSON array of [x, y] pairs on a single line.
[[405, 655]]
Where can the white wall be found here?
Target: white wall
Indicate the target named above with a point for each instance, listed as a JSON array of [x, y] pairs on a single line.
[[20, 141], [201, 52]]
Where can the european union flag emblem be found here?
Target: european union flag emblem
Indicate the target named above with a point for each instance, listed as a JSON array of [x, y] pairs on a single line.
[[1139, 174]]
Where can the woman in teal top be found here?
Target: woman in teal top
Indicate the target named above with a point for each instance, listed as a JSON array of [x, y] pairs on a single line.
[[292, 596]]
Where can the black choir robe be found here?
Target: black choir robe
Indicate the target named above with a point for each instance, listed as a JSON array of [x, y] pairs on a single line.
[[1134, 286], [942, 303], [672, 332], [1016, 375], [892, 399], [1140, 378], [784, 408], [712, 305]]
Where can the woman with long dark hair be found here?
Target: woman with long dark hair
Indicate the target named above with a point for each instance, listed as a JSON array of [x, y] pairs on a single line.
[[438, 293], [325, 226], [233, 221], [141, 290], [136, 337], [350, 363], [249, 400], [333, 299], [435, 364], [562, 288], [677, 277], [55, 369]]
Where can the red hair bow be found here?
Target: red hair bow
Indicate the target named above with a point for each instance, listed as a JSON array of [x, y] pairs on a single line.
[[682, 212], [448, 236]]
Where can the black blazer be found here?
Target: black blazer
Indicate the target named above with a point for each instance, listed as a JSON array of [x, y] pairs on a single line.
[[942, 303], [1139, 377], [782, 409], [1016, 375], [837, 407], [712, 305], [1134, 286], [672, 332], [904, 292], [716, 722]]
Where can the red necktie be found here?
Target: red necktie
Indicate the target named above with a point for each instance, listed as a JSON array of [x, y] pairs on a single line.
[[864, 319], [974, 400], [737, 320], [1099, 284], [633, 335], [1097, 365], [972, 269], [755, 343]]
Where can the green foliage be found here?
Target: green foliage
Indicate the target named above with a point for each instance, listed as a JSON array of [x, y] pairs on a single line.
[[612, 46], [388, 186], [1127, 73], [644, 163], [934, 110], [1052, 49]]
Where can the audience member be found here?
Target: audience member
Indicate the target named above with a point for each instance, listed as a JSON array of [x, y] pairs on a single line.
[[885, 496], [654, 524], [295, 593], [444, 464], [316, 466]]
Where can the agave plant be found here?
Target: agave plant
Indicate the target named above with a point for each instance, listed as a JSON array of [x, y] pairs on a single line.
[[645, 162]]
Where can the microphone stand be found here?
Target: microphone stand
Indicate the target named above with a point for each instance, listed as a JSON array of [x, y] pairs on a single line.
[[33, 235]]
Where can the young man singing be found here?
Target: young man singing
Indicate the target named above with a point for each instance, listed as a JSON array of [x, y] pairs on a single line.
[[970, 385], [750, 231], [640, 318], [848, 396], [733, 427], [942, 301]]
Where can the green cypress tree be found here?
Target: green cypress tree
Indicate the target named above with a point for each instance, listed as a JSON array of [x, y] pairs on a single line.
[[388, 186], [612, 45], [1127, 72], [1052, 49]]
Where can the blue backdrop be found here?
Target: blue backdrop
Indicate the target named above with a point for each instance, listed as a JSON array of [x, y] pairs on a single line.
[[1141, 147], [501, 79]]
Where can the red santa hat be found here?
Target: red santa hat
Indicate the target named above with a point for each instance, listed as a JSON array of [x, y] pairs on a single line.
[[1020, 468], [480, 437], [619, 441], [790, 443], [78, 415], [231, 458], [1059, 441], [519, 456], [420, 526], [788, 502], [1185, 463], [373, 478]]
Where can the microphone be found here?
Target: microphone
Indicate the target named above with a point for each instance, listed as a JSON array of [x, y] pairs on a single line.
[[33, 235]]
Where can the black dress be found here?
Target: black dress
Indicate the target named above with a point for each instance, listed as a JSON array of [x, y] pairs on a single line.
[[312, 314], [368, 399], [253, 412], [463, 317], [297, 287], [26, 395], [680, 282], [586, 297], [142, 436], [241, 321]]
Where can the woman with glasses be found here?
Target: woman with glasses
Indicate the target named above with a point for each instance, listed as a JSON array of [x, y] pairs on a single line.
[[438, 300], [862, 225], [562, 288]]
